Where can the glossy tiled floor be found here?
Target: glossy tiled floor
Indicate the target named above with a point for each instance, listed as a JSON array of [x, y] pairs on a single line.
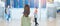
[[42, 21]]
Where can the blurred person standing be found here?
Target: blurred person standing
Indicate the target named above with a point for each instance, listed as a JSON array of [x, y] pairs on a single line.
[[36, 16], [51, 13], [2, 18], [7, 7], [25, 20], [51, 9], [1, 10]]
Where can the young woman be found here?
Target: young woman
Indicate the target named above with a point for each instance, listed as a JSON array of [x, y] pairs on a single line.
[[25, 20]]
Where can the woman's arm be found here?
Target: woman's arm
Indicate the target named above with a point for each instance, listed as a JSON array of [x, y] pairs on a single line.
[[21, 21]]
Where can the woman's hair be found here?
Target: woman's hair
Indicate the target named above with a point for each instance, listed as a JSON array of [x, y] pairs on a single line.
[[26, 6], [25, 10]]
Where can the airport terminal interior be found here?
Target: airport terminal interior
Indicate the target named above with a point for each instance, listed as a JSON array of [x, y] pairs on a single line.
[[47, 12]]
